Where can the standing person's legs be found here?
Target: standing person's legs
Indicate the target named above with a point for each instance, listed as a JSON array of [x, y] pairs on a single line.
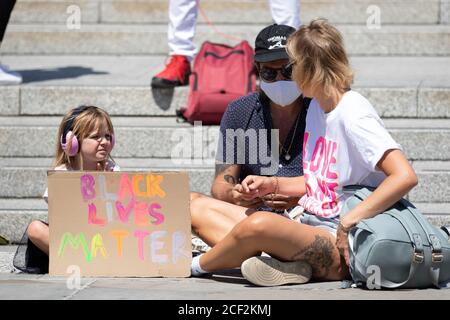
[[7, 76], [6, 6], [282, 238], [286, 12], [181, 30], [182, 23]]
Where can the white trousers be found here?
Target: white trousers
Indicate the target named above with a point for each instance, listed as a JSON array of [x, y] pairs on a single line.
[[183, 19]]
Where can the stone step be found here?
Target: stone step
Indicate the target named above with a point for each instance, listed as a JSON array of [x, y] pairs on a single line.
[[26, 177], [6, 258], [181, 164], [408, 40], [37, 100], [13, 223], [416, 86], [152, 137], [230, 11]]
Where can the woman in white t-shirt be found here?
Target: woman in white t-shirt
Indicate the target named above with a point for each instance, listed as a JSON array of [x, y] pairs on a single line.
[[345, 143], [85, 140]]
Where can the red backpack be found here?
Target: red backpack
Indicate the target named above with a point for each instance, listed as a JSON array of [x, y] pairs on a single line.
[[220, 75]]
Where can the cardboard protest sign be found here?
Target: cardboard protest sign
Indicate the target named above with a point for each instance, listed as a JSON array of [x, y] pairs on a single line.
[[119, 224]]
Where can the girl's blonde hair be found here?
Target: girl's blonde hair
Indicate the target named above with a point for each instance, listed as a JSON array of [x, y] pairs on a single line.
[[319, 59], [83, 124]]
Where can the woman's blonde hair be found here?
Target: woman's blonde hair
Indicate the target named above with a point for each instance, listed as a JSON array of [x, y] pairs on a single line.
[[319, 59], [82, 124]]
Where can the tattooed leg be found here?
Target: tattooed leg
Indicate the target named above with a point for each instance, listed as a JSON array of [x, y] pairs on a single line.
[[319, 254]]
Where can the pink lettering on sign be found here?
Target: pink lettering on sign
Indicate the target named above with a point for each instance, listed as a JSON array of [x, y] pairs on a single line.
[[159, 217], [124, 213], [92, 216], [87, 184]]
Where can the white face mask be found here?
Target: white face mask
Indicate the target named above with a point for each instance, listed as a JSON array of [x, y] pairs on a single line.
[[281, 92]]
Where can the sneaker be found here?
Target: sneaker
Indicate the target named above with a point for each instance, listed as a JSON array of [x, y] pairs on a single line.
[[198, 245], [9, 77], [269, 272], [176, 73]]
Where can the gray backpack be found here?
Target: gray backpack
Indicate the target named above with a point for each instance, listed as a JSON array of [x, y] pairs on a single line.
[[399, 244]]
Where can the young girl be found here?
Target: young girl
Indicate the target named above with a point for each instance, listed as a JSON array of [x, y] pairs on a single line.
[[345, 143], [84, 142]]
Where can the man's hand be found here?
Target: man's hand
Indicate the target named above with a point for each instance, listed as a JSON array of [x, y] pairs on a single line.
[[241, 199]]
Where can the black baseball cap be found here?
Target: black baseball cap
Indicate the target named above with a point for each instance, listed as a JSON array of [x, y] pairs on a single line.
[[270, 43]]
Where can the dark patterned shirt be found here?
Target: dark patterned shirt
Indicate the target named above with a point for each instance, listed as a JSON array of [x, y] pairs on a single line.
[[251, 145]]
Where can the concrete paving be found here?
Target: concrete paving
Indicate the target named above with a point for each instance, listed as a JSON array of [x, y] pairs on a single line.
[[226, 285]]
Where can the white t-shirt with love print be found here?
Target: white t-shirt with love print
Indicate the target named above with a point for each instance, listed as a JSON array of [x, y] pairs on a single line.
[[341, 148]]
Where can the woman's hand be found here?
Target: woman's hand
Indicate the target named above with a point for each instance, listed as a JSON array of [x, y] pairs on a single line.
[[342, 239], [342, 244], [279, 201], [258, 186]]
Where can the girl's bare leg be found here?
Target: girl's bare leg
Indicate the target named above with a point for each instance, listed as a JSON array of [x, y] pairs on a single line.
[[282, 238], [38, 234]]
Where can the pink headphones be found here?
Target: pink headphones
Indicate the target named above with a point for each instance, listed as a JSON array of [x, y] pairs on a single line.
[[68, 138]]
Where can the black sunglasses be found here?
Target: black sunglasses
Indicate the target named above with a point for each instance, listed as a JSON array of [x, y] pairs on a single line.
[[270, 74]]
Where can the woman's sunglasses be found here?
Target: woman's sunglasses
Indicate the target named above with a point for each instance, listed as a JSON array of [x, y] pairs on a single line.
[[270, 74]]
